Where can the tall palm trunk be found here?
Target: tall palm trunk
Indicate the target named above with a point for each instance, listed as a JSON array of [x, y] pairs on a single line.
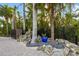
[[34, 32], [13, 22], [52, 18], [14, 19], [23, 17], [6, 25]]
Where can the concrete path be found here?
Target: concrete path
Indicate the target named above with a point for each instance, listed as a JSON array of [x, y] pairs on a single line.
[[10, 47]]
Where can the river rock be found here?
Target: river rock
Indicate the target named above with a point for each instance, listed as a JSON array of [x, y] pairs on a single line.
[[49, 50], [46, 49], [42, 48], [60, 43], [66, 51], [77, 51], [72, 52]]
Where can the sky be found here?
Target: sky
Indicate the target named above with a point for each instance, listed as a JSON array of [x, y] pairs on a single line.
[[19, 5]]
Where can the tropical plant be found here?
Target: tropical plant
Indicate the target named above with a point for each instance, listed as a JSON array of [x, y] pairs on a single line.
[[6, 11]]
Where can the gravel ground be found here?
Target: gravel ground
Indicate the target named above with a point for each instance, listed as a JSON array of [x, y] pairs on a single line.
[[10, 47], [58, 52]]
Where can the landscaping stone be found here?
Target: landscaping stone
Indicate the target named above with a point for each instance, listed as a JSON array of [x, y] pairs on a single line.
[[77, 51], [72, 48], [47, 49], [66, 51], [58, 52], [26, 37], [42, 48], [60, 40], [72, 52], [60, 43]]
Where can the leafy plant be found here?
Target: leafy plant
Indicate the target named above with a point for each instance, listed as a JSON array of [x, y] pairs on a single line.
[[37, 40], [43, 34]]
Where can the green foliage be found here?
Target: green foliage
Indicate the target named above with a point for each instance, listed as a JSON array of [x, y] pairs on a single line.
[[6, 11], [2, 29], [37, 40], [19, 24], [65, 26], [43, 34]]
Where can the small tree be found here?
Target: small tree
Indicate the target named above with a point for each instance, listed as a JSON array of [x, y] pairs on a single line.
[[6, 11]]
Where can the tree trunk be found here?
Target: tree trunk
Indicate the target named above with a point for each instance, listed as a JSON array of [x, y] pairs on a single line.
[[34, 32], [14, 19], [6, 26], [13, 23], [13, 33], [23, 17], [52, 18]]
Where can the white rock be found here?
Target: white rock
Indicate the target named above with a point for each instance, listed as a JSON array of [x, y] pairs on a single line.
[[46, 49], [77, 51], [66, 51], [42, 48]]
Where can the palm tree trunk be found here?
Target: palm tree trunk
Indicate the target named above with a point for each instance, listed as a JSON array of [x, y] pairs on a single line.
[[34, 32], [13, 33], [13, 22], [14, 19], [23, 17], [6, 26], [52, 18]]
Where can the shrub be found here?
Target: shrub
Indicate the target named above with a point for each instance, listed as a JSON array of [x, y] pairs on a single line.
[[37, 40]]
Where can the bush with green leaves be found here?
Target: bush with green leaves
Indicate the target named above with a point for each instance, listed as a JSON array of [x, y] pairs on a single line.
[[37, 40]]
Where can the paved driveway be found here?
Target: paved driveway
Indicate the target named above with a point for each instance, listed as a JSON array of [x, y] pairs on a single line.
[[10, 47]]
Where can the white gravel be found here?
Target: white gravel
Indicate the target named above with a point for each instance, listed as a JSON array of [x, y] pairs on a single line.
[[10, 47], [58, 52]]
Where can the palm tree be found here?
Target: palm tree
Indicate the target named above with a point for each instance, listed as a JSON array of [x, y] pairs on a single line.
[[29, 16], [24, 17], [6, 12], [52, 19], [34, 32], [53, 10], [14, 18]]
